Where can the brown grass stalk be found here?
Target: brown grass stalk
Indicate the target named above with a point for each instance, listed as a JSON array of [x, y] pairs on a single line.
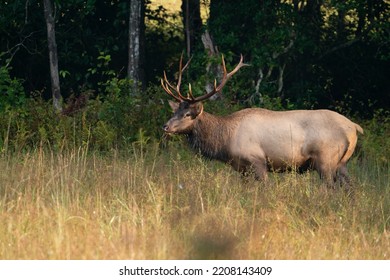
[[171, 205]]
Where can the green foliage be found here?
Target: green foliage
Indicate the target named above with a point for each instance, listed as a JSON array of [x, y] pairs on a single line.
[[92, 42], [127, 111], [333, 54], [328, 50], [11, 90], [164, 39], [116, 119], [122, 117], [58, 159], [376, 141]]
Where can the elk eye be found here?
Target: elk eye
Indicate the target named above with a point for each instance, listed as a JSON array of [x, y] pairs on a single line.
[[187, 115]]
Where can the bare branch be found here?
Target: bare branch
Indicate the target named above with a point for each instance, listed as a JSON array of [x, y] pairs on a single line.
[[280, 78], [287, 48], [338, 47]]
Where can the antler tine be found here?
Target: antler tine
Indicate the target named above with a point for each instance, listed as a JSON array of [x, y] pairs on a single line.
[[181, 69], [168, 83], [239, 65], [190, 93], [190, 98], [166, 86], [225, 78]]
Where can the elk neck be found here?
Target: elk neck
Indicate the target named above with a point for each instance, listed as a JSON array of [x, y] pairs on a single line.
[[211, 136]]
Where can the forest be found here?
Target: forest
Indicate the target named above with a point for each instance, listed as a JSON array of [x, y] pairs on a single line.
[[88, 173], [302, 55]]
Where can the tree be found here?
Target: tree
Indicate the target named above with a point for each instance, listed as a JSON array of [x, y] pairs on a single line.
[[311, 54], [306, 53], [192, 23], [263, 32], [135, 70], [53, 58]]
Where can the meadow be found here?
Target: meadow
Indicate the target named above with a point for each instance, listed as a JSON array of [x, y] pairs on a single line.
[[149, 202], [97, 181]]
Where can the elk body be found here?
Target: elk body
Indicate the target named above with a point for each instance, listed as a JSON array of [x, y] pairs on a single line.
[[263, 140]]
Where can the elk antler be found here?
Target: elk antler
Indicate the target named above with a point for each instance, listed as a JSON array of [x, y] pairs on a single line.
[[168, 87]]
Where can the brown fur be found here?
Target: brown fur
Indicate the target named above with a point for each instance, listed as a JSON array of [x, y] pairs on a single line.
[[264, 140]]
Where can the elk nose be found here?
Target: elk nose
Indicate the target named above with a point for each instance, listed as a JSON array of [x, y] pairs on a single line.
[[165, 127]]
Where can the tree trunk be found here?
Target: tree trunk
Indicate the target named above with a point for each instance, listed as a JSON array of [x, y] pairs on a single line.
[[212, 69], [135, 70], [53, 58], [192, 23]]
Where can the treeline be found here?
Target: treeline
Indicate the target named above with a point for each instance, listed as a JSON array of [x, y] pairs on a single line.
[[302, 54]]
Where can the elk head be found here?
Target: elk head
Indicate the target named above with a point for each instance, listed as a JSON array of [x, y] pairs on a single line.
[[188, 108]]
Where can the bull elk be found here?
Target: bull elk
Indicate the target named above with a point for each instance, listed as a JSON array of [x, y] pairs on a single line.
[[263, 140]]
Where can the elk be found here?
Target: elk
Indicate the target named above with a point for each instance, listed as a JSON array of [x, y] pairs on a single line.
[[262, 140]]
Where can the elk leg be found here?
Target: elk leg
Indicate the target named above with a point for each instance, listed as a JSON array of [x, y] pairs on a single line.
[[345, 181], [260, 169], [326, 173], [240, 166]]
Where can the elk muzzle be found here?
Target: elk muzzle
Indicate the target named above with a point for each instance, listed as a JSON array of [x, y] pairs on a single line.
[[170, 127], [166, 128]]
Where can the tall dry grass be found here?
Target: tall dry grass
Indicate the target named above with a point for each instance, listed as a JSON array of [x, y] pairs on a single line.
[[169, 204]]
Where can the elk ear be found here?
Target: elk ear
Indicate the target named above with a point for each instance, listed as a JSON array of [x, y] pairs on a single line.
[[198, 108], [174, 105]]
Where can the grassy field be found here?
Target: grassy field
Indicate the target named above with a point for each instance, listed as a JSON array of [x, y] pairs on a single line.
[[152, 203]]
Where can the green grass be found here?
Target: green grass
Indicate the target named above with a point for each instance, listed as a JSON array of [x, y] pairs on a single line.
[[153, 203]]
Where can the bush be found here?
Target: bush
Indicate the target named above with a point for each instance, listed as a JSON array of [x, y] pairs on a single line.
[[115, 119], [11, 90], [376, 141], [123, 115]]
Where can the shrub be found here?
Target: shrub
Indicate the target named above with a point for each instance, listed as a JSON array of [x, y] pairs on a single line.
[[11, 90], [115, 119]]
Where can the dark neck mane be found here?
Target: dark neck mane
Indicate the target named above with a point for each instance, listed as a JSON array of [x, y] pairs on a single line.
[[210, 136]]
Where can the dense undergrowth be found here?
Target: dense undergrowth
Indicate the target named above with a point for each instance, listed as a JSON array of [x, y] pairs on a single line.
[[118, 119]]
